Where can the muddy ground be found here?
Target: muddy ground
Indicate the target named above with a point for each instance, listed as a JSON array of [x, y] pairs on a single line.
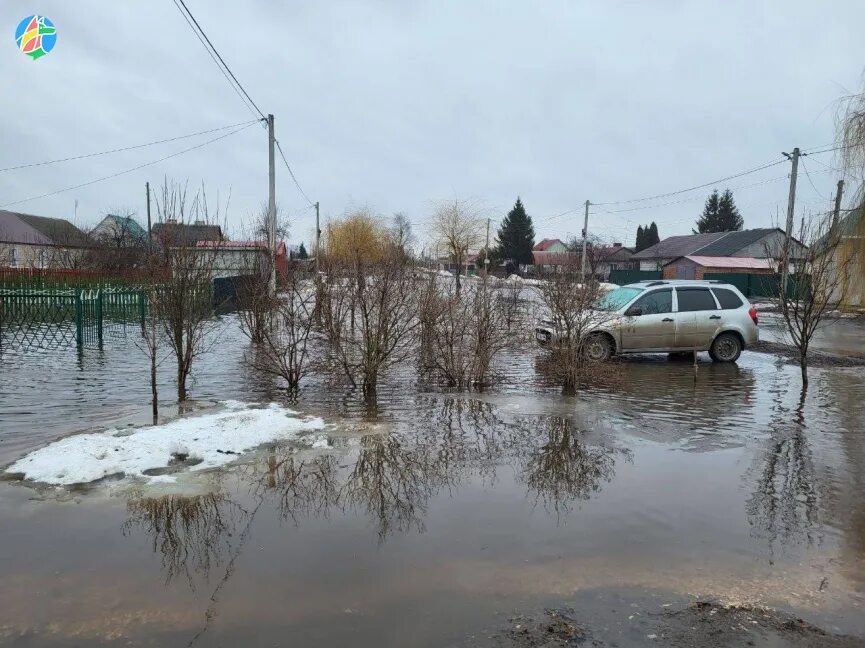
[[702, 624]]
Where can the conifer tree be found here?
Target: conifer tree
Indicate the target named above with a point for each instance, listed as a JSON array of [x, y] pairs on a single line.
[[516, 236]]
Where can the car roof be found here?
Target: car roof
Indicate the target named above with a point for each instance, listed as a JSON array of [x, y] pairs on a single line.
[[679, 283]]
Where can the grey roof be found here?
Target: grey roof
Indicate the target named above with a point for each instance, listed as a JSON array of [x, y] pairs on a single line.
[[40, 230], [677, 246], [735, 241], [186, 234]]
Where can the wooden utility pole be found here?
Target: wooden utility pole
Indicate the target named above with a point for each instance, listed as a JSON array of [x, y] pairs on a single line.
[[271, 203], [585, 239], [317, 238], [788, 232], [836, 214], [487, 251], [149, 234]]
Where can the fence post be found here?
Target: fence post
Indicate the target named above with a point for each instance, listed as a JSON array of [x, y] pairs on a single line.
[[142, 308], [99, 316], [79, 319]]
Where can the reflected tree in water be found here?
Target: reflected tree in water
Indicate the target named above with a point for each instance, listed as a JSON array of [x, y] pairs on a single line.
[[191, 533], [785, 505], [563, 469]]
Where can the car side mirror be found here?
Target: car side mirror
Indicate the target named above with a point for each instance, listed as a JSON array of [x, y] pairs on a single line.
[[634, 311]]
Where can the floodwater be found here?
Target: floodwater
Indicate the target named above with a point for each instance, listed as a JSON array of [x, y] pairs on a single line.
[[434, 519]]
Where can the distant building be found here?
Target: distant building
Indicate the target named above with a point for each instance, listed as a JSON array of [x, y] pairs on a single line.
[[174, 234], [602, 259], [695, 267], [119, 231], [755, 243], [551, 254], [28, 241], [239, 258]]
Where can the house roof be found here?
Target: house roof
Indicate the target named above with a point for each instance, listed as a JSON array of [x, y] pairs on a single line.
[[732, 242], [40, 230], [749, 263], [678, 246], [546, 244], [186, 234]]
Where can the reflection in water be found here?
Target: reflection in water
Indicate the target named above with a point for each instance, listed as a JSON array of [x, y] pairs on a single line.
[[785, 503], [389, 478], [192, 533], [564, 470]]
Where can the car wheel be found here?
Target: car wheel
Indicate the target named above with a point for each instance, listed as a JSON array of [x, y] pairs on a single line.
[[598, 348], [726, 348]]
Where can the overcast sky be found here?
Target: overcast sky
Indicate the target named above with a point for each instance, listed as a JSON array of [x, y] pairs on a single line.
[[394, 105]]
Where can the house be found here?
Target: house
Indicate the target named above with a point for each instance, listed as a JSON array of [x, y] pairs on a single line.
[[119, 231], [174, 234], [551, 254], [469, 265], [602, 259], [695, 267], [239, 258], [755, 243], [28, 241]]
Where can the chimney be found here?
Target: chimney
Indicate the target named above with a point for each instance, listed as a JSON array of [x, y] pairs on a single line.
[[200, 222], [617, 244]]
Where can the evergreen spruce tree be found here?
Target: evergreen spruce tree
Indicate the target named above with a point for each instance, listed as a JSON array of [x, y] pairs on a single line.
[[653, 238], [728, 214], [301, 252], [708, 221], [516, 236], [641, 239]]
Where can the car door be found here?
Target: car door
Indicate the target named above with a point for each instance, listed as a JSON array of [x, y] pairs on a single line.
[[697, 319], [649, 323]]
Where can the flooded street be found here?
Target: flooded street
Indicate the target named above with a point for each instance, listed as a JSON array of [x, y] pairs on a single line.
[[438, 518]]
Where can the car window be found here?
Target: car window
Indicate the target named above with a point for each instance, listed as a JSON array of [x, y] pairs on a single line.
[[660, 301], [617, 298], [695, 299], [727, 298]]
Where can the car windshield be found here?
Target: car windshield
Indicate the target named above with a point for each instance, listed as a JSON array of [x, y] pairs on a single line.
[[617, 298]]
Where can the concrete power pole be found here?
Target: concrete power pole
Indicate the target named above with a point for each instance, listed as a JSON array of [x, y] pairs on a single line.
[[836, 214], [271, 203], [585, 239], [788, 232], [317, 239]]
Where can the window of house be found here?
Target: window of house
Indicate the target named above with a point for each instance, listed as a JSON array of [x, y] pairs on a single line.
[[655, 303], [727, 298], [13, 257], [695, 299]]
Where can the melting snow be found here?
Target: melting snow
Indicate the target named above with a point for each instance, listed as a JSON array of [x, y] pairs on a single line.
[[209, 440]]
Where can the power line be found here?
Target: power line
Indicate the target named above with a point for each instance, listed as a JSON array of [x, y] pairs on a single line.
[[808, 175], [136, 168], [126, 148], [210, 48], [700, 186], [291, 173]]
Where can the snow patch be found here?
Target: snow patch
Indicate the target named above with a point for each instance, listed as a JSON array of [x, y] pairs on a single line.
[[202, 442]]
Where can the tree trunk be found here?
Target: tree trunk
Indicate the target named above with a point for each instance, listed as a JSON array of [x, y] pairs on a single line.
[[370, 384], [154, 398], [459, 269], [181, 383], [803, 365]]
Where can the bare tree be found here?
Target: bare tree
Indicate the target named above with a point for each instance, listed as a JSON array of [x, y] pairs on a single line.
[[577, 352], [457, 227], [282, 348], [371, 312], [465, 332], [401, 234], [818, 282], [185, 301]]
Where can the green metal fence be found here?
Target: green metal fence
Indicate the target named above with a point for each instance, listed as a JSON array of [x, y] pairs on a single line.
[[49, 319], [761, 285], [623, 277]]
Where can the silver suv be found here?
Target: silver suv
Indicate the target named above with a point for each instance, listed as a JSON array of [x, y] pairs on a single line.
[[668, 317]]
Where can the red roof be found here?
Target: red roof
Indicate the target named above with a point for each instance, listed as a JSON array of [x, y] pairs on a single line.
[[732, 262], [546, 244]]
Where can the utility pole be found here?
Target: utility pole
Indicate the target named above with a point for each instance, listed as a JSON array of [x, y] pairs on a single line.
[[317, 239], [788, 233], [487, 251], [585, 239], [149, 235], [837, 213], [271, 203]]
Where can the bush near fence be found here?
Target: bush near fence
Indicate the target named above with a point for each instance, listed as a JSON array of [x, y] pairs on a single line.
[[39, 279]]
